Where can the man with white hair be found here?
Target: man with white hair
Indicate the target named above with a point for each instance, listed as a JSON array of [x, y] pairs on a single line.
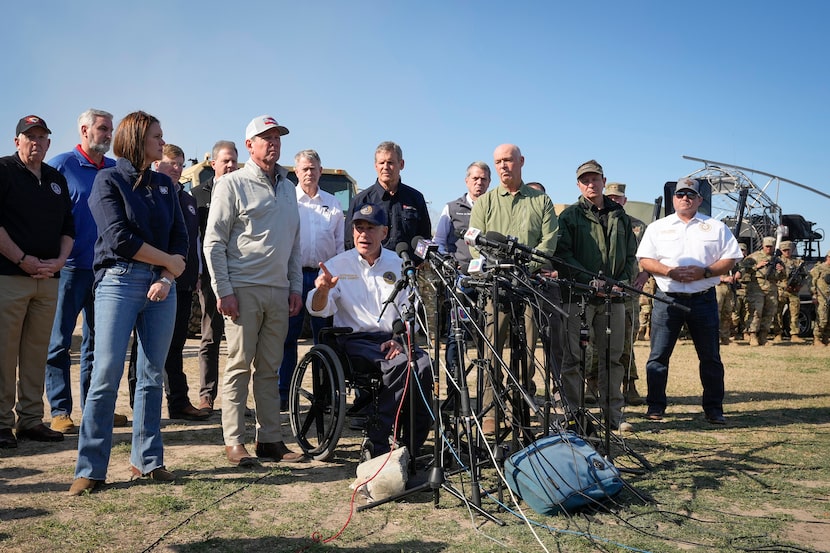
[[79, 166], [252, 247]]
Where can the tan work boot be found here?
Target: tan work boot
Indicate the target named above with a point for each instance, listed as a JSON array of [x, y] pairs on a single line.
[[632, 397], [817, 343], [753, 340], [63, 424], [778, 338], [796, 339]]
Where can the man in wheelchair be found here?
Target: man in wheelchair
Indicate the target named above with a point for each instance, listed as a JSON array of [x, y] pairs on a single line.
[[352, 287]]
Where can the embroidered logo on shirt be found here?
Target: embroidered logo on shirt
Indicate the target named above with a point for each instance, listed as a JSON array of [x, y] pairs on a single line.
[[389, 277], [164, 190], [705, 227], [56, 188]]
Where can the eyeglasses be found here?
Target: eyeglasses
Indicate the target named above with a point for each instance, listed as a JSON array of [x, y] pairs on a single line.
[[686, 194]]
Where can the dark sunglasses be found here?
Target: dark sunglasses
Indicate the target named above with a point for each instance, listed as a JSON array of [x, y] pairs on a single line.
[[686, 194]]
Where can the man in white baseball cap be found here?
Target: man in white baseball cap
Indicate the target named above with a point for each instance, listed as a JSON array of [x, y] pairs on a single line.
[[252, 248]]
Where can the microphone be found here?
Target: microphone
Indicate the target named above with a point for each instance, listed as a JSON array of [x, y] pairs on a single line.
[[423, 247], [428, 251], [473, 237], [408, 269], [510, 243]]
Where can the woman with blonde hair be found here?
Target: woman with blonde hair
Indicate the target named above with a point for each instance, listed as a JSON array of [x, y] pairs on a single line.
[[141, 248]]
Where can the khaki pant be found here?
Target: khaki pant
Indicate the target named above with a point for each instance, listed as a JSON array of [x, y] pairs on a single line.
[[504, 328], [27, 310], [255, 347], [726, 306]]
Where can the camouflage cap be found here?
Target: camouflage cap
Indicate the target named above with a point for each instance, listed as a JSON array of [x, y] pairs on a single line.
[[769, 241], [786, 245], [688, 184], [591, 166], [615, 189]]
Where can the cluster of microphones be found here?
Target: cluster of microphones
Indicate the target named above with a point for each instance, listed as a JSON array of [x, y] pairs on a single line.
[[496, 243]]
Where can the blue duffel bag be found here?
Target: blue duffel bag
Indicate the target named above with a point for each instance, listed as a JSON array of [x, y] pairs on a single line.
[[561, 473]]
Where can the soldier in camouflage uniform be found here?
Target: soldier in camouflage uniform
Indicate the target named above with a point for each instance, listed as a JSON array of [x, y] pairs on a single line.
[[762, 290], [725, 291], [788, 296], [740, 317], [645, 310], [820, 288]]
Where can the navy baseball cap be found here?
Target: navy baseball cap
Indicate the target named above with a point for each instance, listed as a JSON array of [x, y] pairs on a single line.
[[30, 121], [371, 213]]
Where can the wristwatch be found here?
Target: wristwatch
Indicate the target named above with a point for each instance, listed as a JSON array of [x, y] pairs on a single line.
[[707, 272]]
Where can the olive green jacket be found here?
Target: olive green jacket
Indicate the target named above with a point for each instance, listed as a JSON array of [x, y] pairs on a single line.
[[584, 243]]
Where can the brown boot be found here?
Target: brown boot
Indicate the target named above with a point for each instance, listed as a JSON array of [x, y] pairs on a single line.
[[818, 343], [796, 339], [753, 340], [632, 397]]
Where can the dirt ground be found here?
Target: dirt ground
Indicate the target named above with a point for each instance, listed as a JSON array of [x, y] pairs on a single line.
[[37, 471]]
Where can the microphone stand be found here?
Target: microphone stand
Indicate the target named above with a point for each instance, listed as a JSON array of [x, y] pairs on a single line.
[[437, 478]]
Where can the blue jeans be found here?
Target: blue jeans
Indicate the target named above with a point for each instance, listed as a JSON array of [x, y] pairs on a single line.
[[120, 304], [295, 327], [74, 297], [703, 325]]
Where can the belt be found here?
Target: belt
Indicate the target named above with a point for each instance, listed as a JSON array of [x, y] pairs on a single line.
[[685, 295], [308, 269]]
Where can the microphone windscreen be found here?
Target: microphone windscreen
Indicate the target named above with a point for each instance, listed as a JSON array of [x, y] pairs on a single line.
[[494, 236]]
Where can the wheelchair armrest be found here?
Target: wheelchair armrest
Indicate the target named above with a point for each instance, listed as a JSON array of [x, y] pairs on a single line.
[[333, 331]]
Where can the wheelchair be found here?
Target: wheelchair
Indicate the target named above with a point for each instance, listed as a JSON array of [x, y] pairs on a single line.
[[317, 395]]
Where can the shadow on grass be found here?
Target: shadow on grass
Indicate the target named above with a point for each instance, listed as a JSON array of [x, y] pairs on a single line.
[[18, 513], [288, 545]]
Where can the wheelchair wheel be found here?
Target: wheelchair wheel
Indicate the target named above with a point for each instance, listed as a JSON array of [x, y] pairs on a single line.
[[317, 402]]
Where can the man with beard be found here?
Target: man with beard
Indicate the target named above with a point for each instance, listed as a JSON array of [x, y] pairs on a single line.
[[79, 166]]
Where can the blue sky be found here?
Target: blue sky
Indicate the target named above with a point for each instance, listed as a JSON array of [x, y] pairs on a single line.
[[633, 84]]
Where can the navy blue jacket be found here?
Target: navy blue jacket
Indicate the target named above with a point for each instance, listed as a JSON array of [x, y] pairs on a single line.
[[406, 211], [128, 218]]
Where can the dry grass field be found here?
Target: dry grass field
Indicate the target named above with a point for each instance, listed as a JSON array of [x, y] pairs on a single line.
[[761, 483]]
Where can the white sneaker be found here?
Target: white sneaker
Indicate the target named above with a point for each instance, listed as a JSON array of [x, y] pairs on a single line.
[[626, 427]]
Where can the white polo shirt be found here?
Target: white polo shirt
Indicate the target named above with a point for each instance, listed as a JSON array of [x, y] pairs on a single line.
[[701, 242], [357, 298]]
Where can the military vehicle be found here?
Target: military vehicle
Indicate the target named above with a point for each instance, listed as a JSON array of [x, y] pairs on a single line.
[[334, 181]]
